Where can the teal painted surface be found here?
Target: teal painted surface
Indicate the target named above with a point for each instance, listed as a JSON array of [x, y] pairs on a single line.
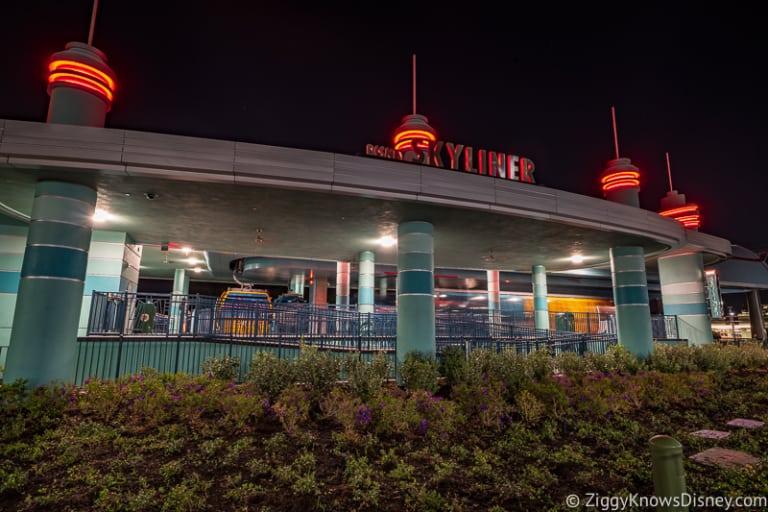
[[683, 294], [9, 282], [415, 290], [10, 261], [7, 307], [70, 190], [416, 281], [630, 294], [540, 306], [108, 267], [417, 260], [54, 262], [365, 283], [101, 284], [633, 312], [36, 351], [67, 235]]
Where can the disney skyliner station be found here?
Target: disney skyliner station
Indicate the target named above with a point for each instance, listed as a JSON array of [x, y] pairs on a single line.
[[407, 216]]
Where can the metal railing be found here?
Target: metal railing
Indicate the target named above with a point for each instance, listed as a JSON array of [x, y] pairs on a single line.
[[177, 333], [665, 327]]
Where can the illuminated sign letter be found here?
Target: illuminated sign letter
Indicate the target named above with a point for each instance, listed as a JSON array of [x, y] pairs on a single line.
[[481, 161], [437, 160], [454, 152], [526, 170], [497, 164], [512, 166], [469, 160]]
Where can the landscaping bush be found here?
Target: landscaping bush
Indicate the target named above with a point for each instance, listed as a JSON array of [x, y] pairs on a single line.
[[365, 377], [271, 374], [223, 368], [420, 371]]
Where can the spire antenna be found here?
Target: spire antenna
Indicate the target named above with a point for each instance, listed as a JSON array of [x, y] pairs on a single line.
[[413, 91], [615, 134], [669, 171], [93, 22]]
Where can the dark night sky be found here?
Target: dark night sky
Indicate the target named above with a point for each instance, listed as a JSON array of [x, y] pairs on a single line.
[[538, 82]]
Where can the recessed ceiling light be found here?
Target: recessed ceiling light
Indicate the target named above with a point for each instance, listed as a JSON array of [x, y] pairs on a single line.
[[387, 241], [101, 216], [577, 258]]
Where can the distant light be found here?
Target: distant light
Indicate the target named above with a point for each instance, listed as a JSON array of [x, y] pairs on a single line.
[[197, 270], [193, 261], [387, 241], [186, 250], [101, 216], [577, 258]]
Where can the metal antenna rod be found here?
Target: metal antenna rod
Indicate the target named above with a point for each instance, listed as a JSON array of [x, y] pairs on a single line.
[[93, 22], [669, 172], [615, 135], [413, 93]]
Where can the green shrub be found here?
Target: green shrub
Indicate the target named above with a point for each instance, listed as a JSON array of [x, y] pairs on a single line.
[[223, 368], [365, 377], [420, 371], [510, 368], [318, 371], [454, 364], [569, 362], [271, 374]]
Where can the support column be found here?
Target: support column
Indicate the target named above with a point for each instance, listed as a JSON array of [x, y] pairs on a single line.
[[365, 283], [494, 297], [682, 293], [630, 294], [318, 292], [540, 306], [43, 340], [13, 240], [756, 315], [383, 288], [416, 289], [342, 284], [297, 283], [113, 266], [178, 299]]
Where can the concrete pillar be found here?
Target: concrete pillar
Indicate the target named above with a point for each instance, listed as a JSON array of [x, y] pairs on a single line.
[[494, 297], [682, 293], [416, 289], [540, 306], [113, 266], [13, 240], [383, 287], [342, 284], [630, 295], [43, 340], [297, 283], [756, 315], [365, 283], [318, 292], [178, 300]]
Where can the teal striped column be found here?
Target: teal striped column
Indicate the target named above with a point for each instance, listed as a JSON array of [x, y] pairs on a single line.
[[682, 292], [365, 283], [630, 295], [297, 283], [415, 289], [44, 336], [342, 284], [113, 266], [179, 296], [13, 240], [540, 306]]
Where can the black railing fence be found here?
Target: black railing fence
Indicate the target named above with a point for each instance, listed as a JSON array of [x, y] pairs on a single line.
[[177, 333]]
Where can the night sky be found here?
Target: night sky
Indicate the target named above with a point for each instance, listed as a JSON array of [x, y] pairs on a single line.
[[538, 82]]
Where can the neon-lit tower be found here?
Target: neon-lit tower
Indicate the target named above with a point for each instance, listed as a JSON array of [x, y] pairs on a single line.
[[80, 84], [414, 136], [674, 206], [620, 181]]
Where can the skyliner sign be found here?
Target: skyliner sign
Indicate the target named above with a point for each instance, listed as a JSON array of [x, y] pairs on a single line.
[[458, 157]]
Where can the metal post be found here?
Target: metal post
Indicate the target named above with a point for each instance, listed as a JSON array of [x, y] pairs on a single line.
[[668, 473]]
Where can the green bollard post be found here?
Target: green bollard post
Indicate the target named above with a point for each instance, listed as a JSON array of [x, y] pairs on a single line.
[[668, 473]]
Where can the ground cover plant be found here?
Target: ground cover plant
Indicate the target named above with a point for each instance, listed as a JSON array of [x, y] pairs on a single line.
[[496, 432]]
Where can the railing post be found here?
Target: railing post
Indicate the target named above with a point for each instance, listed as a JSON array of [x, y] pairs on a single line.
[[120, 338]]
